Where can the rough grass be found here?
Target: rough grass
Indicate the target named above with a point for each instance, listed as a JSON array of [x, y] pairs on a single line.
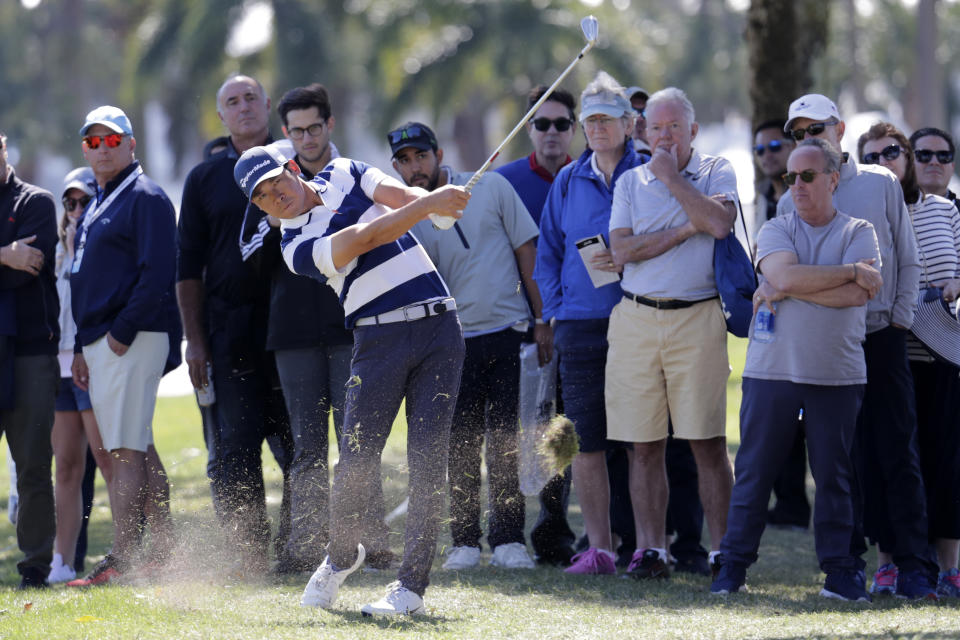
[[203, 595]]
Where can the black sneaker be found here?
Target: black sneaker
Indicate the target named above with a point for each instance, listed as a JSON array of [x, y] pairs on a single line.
[[915, 584], [32, 578], [558, 556], [731, 578], [648, 565], [695, 564], [845, 585]]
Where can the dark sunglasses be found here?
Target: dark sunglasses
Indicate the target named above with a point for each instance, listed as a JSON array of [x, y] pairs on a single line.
[[112, 140], [774, 146], [926, 155], [814, 130], [891, 152], [407, 133], [807, 175], [560, 124], [314, 130], [72, 203]]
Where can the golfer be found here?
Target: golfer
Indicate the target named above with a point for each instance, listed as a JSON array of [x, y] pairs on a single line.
[[349, 228]]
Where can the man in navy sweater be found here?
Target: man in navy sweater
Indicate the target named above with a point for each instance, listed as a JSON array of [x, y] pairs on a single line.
[[29, 336], [128, 332]]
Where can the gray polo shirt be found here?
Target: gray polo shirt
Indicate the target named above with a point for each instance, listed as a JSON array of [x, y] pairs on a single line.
[[873, 193], [643, 204], [476, 258], [814, 344]]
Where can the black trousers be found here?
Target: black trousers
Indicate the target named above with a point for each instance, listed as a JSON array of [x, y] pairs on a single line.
[[890, 504]]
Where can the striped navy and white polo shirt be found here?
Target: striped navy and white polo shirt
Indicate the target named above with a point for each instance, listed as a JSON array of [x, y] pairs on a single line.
[[388, 277]]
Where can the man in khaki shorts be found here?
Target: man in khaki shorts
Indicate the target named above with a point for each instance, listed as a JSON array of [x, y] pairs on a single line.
[[668, 347], [128, 330]]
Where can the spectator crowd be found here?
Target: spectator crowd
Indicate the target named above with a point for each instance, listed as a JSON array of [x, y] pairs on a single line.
[[312, 288]]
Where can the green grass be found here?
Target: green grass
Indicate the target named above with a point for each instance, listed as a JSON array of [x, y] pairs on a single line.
[[204, 595]]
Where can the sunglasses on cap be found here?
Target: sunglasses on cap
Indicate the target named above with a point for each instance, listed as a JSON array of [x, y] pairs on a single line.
[[112, 140], [814, 130], [926, 155], [774, 146], [891, 152], [807, 175], [72, 203], [560, 124], [406, 133], [314, 130]]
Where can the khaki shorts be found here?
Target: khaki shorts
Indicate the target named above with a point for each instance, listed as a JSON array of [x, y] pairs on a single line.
[[666, 363], [123, 389]]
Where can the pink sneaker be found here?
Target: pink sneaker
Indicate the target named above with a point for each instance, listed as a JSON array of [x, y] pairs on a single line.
[[593, 561]]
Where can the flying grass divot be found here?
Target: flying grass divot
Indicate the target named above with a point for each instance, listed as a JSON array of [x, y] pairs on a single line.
[[559, 445]]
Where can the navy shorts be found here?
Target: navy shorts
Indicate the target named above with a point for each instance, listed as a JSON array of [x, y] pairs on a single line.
[[583, 360], [70, 397]]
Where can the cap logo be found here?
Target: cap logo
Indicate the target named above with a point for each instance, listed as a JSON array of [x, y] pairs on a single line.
[[254, 169]]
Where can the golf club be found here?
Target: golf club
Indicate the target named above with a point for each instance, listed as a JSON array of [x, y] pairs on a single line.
[[590, 28]]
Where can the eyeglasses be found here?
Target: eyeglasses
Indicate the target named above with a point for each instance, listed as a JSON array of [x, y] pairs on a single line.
[[640, 113], [774, 146], [926, 155], [807, 175], [814, 130], [314, 130], [560, 124], [891, 152], [112, 140], [72, 203], [407, 133]]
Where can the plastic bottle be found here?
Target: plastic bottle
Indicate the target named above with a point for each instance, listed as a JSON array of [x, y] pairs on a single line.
[[763, 324]]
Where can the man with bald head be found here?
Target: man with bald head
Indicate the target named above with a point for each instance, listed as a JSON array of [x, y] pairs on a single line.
[[819, 269], [224, 303]]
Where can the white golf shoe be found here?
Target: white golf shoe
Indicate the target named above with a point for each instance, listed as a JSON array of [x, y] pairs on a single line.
[[399, 601], [462, 558], [512, 556], [321, 590]]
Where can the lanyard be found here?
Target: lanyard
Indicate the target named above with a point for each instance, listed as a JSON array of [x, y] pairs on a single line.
[[97, 211], [88, 220]]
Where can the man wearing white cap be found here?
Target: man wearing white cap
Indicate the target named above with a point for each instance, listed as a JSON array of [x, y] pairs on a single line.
[[128, 332], [888, 487], [29, 334]]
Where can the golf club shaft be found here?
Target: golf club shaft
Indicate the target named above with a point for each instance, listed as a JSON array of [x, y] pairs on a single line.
[[486, 165]]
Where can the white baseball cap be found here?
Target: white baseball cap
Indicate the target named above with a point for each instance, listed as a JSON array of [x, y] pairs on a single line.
[[814, 106]]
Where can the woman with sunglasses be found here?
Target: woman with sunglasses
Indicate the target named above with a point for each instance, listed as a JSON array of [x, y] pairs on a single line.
[[576, 213], [936, 224], [74, 423]]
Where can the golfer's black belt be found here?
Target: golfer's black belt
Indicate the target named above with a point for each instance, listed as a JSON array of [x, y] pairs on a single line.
[[660, 303]]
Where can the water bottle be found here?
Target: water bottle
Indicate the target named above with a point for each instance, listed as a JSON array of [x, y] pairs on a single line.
[[207, 396], [763, 324]]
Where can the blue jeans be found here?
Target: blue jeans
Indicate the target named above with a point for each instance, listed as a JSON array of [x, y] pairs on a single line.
[[487, 407], [421, 361], [314, 381]]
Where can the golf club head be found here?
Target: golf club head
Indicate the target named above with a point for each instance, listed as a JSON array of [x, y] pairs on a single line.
[[590, 28]]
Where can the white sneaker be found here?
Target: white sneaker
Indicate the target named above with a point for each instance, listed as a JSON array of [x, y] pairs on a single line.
[[462, 558], [60, 572], [512, 556], [398, 601], [321, 590]]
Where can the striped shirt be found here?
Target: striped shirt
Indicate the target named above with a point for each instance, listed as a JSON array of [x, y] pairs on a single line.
[[391, 276], [937, 225]]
